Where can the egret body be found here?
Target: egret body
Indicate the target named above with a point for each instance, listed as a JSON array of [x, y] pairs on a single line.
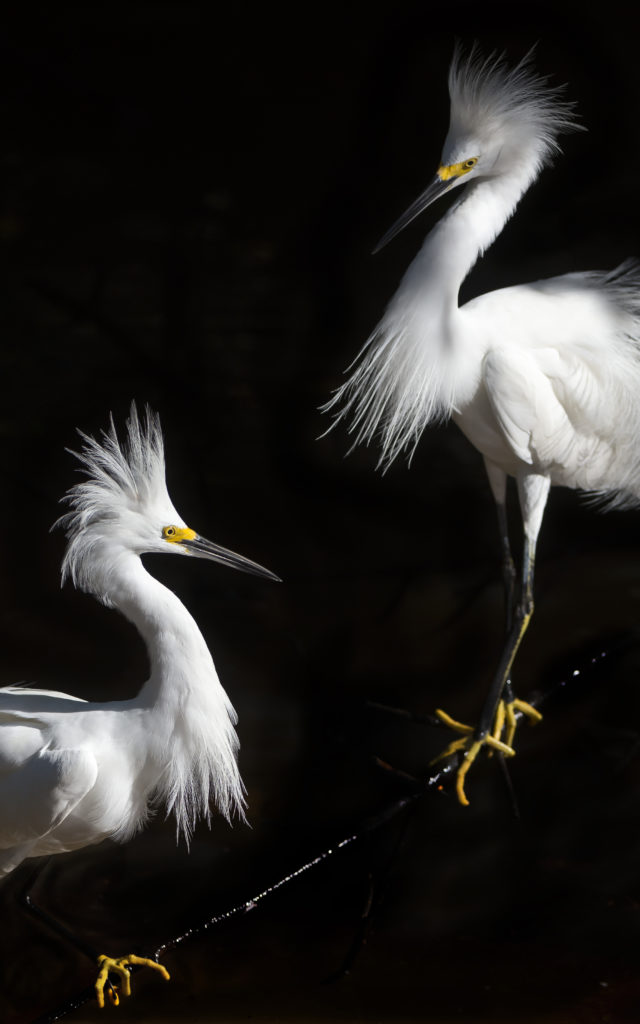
[[74, 772], [543, 378]]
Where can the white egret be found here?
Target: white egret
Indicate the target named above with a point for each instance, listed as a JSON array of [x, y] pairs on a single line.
[[543, 378], [74, 772]]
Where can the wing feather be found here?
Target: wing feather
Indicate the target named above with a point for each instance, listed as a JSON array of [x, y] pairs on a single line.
[[531, 418], [40, 792], [548, 404]]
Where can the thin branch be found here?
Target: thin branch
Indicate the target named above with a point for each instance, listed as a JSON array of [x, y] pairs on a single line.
[[247, 906], [367, 827]]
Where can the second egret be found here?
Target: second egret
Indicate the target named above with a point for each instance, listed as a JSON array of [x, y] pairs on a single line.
[[543, 378]]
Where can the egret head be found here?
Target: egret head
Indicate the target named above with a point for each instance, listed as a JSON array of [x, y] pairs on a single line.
[[503, 121], [124, 507]]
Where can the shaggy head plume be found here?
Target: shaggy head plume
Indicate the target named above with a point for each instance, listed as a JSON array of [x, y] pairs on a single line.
[[125, 495], [514, 107]]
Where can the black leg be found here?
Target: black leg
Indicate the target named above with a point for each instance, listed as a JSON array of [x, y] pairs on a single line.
[[533, 490], [26, 899], [509, 581], [523, 613], [56, 926], [508, 567], [121, 966]]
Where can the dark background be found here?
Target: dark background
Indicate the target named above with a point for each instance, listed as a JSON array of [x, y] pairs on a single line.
[[190, 195]]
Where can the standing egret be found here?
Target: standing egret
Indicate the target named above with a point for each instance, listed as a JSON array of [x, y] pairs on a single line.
[[543, 378], [74, 772]]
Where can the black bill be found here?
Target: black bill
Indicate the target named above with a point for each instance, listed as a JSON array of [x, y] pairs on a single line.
[[202, 548]]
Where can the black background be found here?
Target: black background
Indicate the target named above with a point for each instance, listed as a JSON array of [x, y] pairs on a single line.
[[190, 195]]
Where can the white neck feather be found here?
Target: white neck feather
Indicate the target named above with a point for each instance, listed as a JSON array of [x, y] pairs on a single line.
[[465, 232], [407, 376], [192, 734]]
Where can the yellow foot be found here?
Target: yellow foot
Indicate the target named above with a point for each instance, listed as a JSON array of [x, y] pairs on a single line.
[[471, 749], [505, 721], [511, 719], [506, 718], [120, 965]]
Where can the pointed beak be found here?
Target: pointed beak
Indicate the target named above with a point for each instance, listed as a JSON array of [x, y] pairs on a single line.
[[436, 189], [201, 548]]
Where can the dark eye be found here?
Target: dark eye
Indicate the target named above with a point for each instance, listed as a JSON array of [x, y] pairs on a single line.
[[169, 531], [468, 164]]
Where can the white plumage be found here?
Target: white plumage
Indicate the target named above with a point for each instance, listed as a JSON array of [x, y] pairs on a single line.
[[74, 772], [544, 378]]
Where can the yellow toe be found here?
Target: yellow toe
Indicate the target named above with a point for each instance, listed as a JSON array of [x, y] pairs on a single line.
[[120, 965]]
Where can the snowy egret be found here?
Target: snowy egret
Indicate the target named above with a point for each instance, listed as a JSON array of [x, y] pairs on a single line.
[[73, 772], [543, 378]]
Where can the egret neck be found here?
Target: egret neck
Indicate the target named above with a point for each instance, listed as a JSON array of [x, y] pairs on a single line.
[[193, 733], [466, 231]]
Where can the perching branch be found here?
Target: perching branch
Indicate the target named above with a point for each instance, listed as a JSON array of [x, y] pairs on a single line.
[[420, 787]]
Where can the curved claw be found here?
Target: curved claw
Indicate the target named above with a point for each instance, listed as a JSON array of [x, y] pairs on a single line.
[[120, 966]]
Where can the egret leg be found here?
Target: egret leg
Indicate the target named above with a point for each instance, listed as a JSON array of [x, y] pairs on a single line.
[[498, 482], [521, 619], [508, 566], [533, 491], [500, 709], [509, 581], [501, 717], [120, 966]]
